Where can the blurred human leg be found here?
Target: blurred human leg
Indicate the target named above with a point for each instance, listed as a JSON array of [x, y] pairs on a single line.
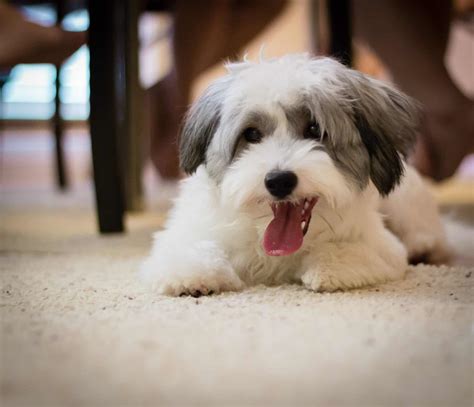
[[411, 39]]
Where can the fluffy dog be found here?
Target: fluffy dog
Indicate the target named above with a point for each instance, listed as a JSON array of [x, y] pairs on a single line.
[[297, 176]]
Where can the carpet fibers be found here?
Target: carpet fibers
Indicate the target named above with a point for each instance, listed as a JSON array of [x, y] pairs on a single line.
[[78, 329]]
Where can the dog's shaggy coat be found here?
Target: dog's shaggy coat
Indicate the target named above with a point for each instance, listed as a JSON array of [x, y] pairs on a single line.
[[342, 137]]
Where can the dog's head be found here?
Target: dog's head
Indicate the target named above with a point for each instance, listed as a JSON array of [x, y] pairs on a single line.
[[293, 130]]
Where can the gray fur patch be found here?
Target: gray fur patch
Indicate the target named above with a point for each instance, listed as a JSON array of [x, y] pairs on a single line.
[[298, 117], [262, 121], [386, 167], [348, 153], [387, 122], [200, 123], [227, 143], [353, 160], [385, 119]]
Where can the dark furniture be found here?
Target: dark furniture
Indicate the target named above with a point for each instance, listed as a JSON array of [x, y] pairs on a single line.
[[62, 7], [114, 109], [340, 30], [331, 28], [61, 174]]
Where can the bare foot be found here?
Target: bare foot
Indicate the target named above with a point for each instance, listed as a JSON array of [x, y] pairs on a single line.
[[165, 116], [22, 41], [446, 138]]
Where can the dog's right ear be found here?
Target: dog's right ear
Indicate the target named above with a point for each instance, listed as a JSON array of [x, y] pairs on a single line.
[[200, 124]]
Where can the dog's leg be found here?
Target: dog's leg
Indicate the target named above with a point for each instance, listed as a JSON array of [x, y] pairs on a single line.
[[345, 265], [200, 268], [187, 258], [412, 214]]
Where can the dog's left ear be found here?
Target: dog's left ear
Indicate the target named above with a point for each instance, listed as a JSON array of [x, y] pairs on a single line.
[[387, 121]]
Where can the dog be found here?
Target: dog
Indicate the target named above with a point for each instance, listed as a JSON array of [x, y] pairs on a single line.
[[297, 175]]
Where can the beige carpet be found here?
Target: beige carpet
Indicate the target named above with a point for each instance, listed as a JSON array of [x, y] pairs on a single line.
[[77, 329]]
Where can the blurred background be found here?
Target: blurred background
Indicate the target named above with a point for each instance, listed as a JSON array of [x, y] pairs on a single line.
[[28, 147]]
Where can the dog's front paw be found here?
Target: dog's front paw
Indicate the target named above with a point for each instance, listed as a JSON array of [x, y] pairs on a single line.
[[202, 269], [329, 277], [198, 282], [344, 266], [318, 280]]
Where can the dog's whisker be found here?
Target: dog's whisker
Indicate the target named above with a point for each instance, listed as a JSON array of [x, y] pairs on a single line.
[[327, 223]]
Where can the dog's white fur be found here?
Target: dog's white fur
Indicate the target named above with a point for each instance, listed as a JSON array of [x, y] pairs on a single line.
[[212, 239]]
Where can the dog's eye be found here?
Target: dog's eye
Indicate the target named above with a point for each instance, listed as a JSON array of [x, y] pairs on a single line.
[[312, 131], [252, 135]]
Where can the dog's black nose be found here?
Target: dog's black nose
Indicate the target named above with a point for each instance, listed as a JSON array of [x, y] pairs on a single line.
[[281, 183]]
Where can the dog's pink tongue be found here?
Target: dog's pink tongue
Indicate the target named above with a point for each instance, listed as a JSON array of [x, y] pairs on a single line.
[[283, 235]]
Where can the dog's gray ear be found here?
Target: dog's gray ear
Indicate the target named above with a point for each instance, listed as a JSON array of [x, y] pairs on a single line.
[[387, 121], [199, 126], [386, 166]]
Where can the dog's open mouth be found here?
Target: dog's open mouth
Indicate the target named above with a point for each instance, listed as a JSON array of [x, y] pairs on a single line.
[[284, 234]]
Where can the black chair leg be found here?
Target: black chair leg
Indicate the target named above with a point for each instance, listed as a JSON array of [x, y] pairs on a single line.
[[61, 176], [107, 109], [340, 30], [132, 151]]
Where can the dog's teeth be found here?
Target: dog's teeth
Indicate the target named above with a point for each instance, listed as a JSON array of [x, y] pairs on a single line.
[[302, 212], [306, 204], [302, 225]]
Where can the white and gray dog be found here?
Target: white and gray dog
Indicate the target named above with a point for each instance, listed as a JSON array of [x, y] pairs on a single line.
[[297, 176]]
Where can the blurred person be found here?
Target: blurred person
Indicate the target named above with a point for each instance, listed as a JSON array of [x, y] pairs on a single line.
[[411, 38], [204, 33], [22, 41]]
